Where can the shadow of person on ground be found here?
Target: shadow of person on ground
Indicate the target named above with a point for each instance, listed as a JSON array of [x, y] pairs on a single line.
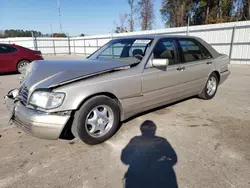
[[151, 159]]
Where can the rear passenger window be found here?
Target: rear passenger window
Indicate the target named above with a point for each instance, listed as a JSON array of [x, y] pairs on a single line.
[[13, 49], [165, 49], [193, 51]]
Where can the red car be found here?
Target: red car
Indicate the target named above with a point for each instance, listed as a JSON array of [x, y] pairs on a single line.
[[14, 57]]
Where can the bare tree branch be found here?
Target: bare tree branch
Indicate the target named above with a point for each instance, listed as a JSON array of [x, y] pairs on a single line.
[[121, 26], [146, 14], [131, 20]]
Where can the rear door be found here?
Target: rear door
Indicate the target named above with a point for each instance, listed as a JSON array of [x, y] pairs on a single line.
[[196, 64], [7, 58]]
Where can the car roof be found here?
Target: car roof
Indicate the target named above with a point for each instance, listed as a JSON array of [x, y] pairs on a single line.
[[8, 44], [156, 36]]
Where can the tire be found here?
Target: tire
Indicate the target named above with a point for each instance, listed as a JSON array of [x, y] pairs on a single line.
[[21, 64], [207, 94], [87, 113]]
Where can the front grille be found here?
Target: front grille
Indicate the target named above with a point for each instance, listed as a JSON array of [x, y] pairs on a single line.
[[24, 93]]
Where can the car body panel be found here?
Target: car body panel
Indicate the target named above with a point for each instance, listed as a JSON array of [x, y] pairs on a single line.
[[60, 72], [156, 82], [135, 88], [39, 124], [197, 74], [105, 83]]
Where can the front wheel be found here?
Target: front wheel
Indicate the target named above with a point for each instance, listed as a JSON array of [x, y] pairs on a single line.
[[97, 120], [210, 88]]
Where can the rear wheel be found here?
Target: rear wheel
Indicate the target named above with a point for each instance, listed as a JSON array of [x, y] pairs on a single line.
[[97, 120], [21, 65], [210, 88]]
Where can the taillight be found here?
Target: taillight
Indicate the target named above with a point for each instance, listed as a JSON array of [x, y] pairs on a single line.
[[38, 53]]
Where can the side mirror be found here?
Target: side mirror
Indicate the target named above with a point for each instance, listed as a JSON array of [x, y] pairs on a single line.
[[160, 62]]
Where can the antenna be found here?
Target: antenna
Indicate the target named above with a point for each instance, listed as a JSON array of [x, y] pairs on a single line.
[[51, 29], [59, 13]]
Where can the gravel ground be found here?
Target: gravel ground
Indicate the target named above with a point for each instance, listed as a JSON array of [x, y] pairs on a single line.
[[206, 144]]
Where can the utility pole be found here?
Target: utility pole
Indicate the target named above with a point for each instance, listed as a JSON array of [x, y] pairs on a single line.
[[59, 13]]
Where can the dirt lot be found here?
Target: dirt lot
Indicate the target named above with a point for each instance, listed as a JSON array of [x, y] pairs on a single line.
[[206, 144]]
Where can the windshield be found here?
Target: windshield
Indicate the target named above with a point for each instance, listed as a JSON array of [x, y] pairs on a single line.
[[127, 50]]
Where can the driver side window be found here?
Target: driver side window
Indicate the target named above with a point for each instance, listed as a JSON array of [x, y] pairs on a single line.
[[165, 49]]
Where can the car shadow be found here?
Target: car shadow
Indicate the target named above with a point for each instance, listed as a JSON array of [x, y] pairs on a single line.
[[150, 159], [8, 73]]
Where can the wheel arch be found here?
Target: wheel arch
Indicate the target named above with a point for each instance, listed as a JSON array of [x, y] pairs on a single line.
[[217, 74], [107, 94]]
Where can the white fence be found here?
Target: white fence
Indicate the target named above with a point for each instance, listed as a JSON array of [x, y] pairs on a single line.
[[232, 39]]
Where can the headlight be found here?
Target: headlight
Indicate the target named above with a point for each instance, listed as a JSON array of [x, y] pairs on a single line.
[[47, 100]]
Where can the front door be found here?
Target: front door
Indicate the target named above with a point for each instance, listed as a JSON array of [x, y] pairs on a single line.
[[161, 85]]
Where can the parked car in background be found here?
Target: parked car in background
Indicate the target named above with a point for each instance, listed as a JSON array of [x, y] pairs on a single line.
[[14, 58], [89, 98]]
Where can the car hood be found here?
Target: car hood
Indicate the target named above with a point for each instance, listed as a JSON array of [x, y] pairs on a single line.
[[46, 74]]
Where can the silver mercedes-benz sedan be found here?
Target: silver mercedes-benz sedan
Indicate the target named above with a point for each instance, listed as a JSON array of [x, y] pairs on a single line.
[[89, 98]]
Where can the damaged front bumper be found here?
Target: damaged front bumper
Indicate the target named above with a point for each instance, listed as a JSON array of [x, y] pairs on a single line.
[[37, 123]]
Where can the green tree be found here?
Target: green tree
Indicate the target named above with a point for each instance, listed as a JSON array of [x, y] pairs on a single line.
[[21, 33], [175, 12], [59, 35], [246, 10], [227, 7]]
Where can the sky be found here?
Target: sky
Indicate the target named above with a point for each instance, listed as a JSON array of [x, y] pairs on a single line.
[[89, 17]]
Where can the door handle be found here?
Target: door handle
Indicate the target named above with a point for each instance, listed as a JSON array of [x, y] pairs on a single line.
[[209, 63], [181, 68]]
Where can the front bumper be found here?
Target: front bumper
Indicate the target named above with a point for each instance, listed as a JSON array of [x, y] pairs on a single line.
[[37, 123]]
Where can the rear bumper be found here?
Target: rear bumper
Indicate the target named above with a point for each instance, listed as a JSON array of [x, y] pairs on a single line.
[[224, 75], [37, 123], [37, 57]]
